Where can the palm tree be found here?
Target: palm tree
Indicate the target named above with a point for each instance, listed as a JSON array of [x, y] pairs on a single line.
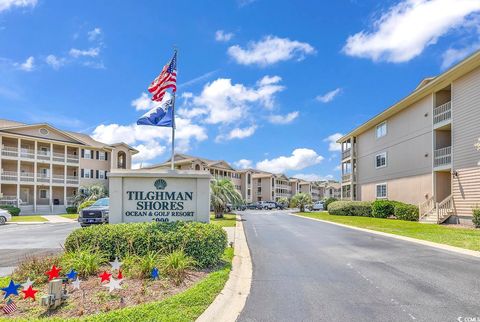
[[301, 200], [283, 201], [222, 192], [90, 193]]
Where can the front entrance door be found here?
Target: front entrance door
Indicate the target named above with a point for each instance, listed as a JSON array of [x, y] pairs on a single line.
[[25, 195]]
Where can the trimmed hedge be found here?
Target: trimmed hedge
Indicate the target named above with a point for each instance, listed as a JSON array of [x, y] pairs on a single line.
[[407, 212], [476, 217], [383, 208], [327, 202], [85, 204], [204, 242], [71, 210], [14, 211], [350, 208]]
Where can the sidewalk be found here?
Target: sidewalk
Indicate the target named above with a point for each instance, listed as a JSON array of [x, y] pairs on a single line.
[[57, 219]]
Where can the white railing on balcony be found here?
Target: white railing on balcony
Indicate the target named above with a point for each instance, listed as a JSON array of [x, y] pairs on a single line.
[[71, 158], [442, 156], [346, 153], [347, 177], [59, 157], [58, 178], [9, 175], [43, 155], [43, 177], [72, 179], [9, 151], [27, 153], [8, 200], [27, 176], [442, 113]]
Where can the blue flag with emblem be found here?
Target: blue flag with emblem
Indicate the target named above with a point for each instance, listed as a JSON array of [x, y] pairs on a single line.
[[161, 115]]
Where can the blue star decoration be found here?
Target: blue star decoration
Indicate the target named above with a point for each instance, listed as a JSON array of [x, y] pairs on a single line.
[[72, 274], [155, 274], [11, 289]]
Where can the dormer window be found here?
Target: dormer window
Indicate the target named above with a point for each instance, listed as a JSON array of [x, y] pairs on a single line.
[[381, 130]]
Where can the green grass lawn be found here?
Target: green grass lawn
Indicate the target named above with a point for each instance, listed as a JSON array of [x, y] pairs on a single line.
[[69, 216], [459, 237], [185, 306], [27, 218], [228, 220]]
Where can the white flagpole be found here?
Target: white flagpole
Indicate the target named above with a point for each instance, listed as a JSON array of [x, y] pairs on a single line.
[[172, 161]]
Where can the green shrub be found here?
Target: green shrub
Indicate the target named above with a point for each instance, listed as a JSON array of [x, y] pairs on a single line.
[[327, 202], [205, 243], [14, 211], [405, 211], [34, 268], [71, 210], [85, 204], [350, 208], [476, 217], [86, 262], [383, 208], [176, 264]]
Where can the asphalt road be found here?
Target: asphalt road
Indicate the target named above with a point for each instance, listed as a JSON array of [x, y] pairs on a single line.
[[305, 270], [20, 241]]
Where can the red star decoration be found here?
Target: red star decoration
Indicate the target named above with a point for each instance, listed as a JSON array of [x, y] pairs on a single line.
[[29, 292], [53, 273], [105, 277], [119, 276]]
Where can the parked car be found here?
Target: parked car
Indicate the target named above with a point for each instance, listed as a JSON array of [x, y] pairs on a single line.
[[318, 206], [4, 217], [267, 205], [279, 206], [95, 214], [253, 205]]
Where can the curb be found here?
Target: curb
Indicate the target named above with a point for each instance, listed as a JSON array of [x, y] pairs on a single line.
[[449, 248], [27, 223], [228, 305]]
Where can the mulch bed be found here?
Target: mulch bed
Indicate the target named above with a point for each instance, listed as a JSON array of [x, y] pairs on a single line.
[[93, 297]]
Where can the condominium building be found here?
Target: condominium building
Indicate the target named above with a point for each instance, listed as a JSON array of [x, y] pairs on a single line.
[[421, 150], [253, 185], [42, 167], [329, 189]]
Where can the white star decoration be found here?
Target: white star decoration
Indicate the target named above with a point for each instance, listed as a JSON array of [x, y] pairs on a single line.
[[27, 284], [113, 284], [76, 284], [116, 264]]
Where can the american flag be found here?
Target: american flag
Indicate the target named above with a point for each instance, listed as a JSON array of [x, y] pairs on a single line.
[[10, 307], [167, 79]]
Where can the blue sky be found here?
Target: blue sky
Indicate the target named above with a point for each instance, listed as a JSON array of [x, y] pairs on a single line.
[[266, 84]]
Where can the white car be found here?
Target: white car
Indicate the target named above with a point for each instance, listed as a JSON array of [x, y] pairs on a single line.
[[4, 216], [317, 206]]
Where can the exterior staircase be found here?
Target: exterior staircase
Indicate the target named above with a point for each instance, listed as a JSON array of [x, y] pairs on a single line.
[[431, 212]]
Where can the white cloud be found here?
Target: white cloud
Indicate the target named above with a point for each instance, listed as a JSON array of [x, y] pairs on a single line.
[[143, 103], [452, 55], [329, 96], [8, 4], [269, 80], [300, 159], [237, 133], [222, 102], [270, 50], [149, 150], [312, 177], [283, 119], [28, 65], [332, 142], [338, 168], [407, 28], [54, 61], [94, 34], [243, 164], [92, 52], [221, 35]]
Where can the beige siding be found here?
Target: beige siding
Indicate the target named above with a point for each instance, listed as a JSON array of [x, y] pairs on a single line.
[[408, 145], [411, 190], [35, 132], [465, 133]]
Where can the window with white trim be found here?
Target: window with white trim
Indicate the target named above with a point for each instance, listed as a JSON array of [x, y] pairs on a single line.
[[381, 191], [381, 160], [101, 156], [381, 130], [86, 173], [87, 154], [101, 174], [43, 193]]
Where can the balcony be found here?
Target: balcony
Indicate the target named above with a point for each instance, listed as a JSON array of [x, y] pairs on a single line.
[[27, 153], [442, 113], [43, 177], [27, 177], [347, 177], [71, 158], [442, 157], [43, 155], [58, 157], [72, 180], [9, 175], [346, 154], [9, 151], [58, 178]]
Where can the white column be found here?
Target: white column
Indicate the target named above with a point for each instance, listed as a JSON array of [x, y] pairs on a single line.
[[35, 197], [18, 194], [65, 196], [51, 197]]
